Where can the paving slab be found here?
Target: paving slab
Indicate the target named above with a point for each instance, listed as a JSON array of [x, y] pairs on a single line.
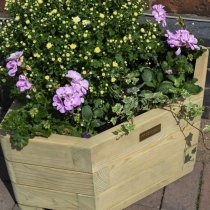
[[206, 113], [6, 200], [182, 194], [137, 207], [152, 201], [203, 155], [208, 77], [207, 97], [3, 171], [16, 207], [205, 189]]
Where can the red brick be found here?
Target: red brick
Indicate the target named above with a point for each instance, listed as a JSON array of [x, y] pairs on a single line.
[[205, 189], [198, 7], [183, 193]]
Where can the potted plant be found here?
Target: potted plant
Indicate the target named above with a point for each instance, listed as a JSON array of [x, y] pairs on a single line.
[[102, 115]]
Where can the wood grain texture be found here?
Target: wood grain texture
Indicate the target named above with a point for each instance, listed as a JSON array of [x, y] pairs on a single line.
[[101, 154], [69, 157], [86, 202], [43, 198], [122, 167], [51, 178], [23, 207], [135, 197], [138, 171]]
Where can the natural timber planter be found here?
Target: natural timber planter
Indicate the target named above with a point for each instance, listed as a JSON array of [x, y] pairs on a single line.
[[101, 173]]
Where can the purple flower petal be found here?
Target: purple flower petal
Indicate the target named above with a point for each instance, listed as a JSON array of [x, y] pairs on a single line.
[[182, 38], [12, 66], [159, 14], [169, 71], [15, 56], [23, 83], [178, 52], [86, 135], [74, 75], [58, 103]]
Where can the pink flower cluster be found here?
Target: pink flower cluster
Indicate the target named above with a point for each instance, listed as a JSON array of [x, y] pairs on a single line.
[[67, 98], [182, 38], [23, 83], [159, 14], [13, 63]]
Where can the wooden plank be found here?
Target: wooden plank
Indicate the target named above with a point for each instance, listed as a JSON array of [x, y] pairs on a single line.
[[42, 198], [69, 157], [146, 167], [201, 68], [102, 153], [134, 163], [120, 169], [153, 188], [23, 207], [86, 202], [147, 178], [51, 178]]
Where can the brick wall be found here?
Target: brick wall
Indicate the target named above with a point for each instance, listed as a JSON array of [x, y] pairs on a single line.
[[197, 7]]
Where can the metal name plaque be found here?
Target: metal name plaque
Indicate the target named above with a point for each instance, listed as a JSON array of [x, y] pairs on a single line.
[[150, 132]]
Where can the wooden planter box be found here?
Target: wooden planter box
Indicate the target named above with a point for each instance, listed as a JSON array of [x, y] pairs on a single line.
[[103, 173]]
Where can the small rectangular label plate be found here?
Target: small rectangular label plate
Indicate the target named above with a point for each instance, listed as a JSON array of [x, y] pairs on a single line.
[[150, 132]]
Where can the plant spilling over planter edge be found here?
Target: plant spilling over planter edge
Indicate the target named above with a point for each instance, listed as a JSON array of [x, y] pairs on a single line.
[[80, 67]]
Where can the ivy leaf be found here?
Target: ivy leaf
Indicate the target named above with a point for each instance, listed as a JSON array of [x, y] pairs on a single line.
[[206, 128], [87, 113], [113, 120], [147, 75]]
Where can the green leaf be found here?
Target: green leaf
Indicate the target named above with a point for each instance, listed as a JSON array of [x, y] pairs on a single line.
[[149, 84], [96, 123], [87, 113], [113, 120], [165, 87], [206, 128], [192, 88], [147, 75], [98, 112], [165, 65], [160, 76]]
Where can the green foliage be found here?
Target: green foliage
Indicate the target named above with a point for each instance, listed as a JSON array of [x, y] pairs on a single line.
[[190, 111], [206, 128], [123, 61]]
